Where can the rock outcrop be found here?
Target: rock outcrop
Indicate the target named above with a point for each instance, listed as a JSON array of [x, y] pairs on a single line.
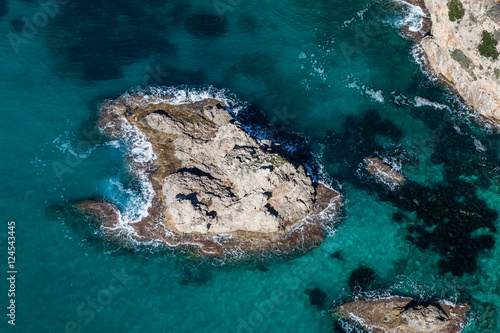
[[215, 187], [453, 51], [404, 315], [383, 171]]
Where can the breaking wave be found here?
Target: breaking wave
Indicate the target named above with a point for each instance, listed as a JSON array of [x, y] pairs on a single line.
[[412, 17]]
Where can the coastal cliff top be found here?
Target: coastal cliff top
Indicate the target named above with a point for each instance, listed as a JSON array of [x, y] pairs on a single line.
[[464, 52]]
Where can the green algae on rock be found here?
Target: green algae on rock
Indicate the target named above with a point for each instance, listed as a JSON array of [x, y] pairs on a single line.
[[214, 186], [463, 33]]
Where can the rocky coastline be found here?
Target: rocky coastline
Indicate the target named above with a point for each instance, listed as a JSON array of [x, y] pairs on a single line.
[[405, 315], [215, 188], [454, 50]]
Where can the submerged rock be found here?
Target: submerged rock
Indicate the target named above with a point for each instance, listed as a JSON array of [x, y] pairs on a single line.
[[385, 172], [405, 315], [214, 186]]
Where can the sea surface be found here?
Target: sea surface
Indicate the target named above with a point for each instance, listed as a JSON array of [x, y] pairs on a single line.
[[337, 81]]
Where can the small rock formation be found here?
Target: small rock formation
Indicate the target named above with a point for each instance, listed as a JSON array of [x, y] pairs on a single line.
[[405, 315], [215, 187], [376, 167], [453, 52]]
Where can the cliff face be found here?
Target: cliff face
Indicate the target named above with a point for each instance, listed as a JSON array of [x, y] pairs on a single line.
[[214, 185], [453, 51]]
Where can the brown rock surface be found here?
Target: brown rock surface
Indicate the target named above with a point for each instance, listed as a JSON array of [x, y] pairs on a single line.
[[385, 172], [214, 186], [404, 315]]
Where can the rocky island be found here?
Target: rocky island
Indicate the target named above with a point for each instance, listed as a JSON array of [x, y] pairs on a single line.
[[383, 171], [212, 186], [405, 315], [462, 49]]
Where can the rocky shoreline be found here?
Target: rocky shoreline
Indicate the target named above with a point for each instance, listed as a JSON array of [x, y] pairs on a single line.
[[405, 315], [451, 49], [426, 28], [215, 188]]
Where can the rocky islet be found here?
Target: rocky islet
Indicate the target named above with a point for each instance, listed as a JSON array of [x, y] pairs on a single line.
[[214, 187]]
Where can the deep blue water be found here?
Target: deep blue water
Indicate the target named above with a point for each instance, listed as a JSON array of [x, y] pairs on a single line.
[[337, 79]]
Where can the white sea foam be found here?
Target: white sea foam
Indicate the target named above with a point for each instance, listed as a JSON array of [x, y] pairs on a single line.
[[418, 55], [64, 143], [362, 12], [400, 99], [348, 22], [185, 94], [359, 15], [376, 95], [479, 146], [412, 17], [322, 176], [420, 101]]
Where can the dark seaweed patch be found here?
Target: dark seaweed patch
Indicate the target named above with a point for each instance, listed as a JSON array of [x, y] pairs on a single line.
[[487, 316], [317, 297], [97, 41], [261, 267], [17, 25], [362, 278], [4, 8], [337, 327], [447, 214], [205, 25], [357, 141], [195, 275], [337, 255], [398, 217]]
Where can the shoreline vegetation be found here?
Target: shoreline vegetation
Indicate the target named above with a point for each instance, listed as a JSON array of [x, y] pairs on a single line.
[[460, 49]]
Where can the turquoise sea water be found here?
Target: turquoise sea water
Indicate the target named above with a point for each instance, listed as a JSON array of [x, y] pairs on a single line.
[[338, 75]]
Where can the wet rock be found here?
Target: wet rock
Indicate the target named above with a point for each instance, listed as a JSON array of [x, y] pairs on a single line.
[[405, 315], [385, 172]]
